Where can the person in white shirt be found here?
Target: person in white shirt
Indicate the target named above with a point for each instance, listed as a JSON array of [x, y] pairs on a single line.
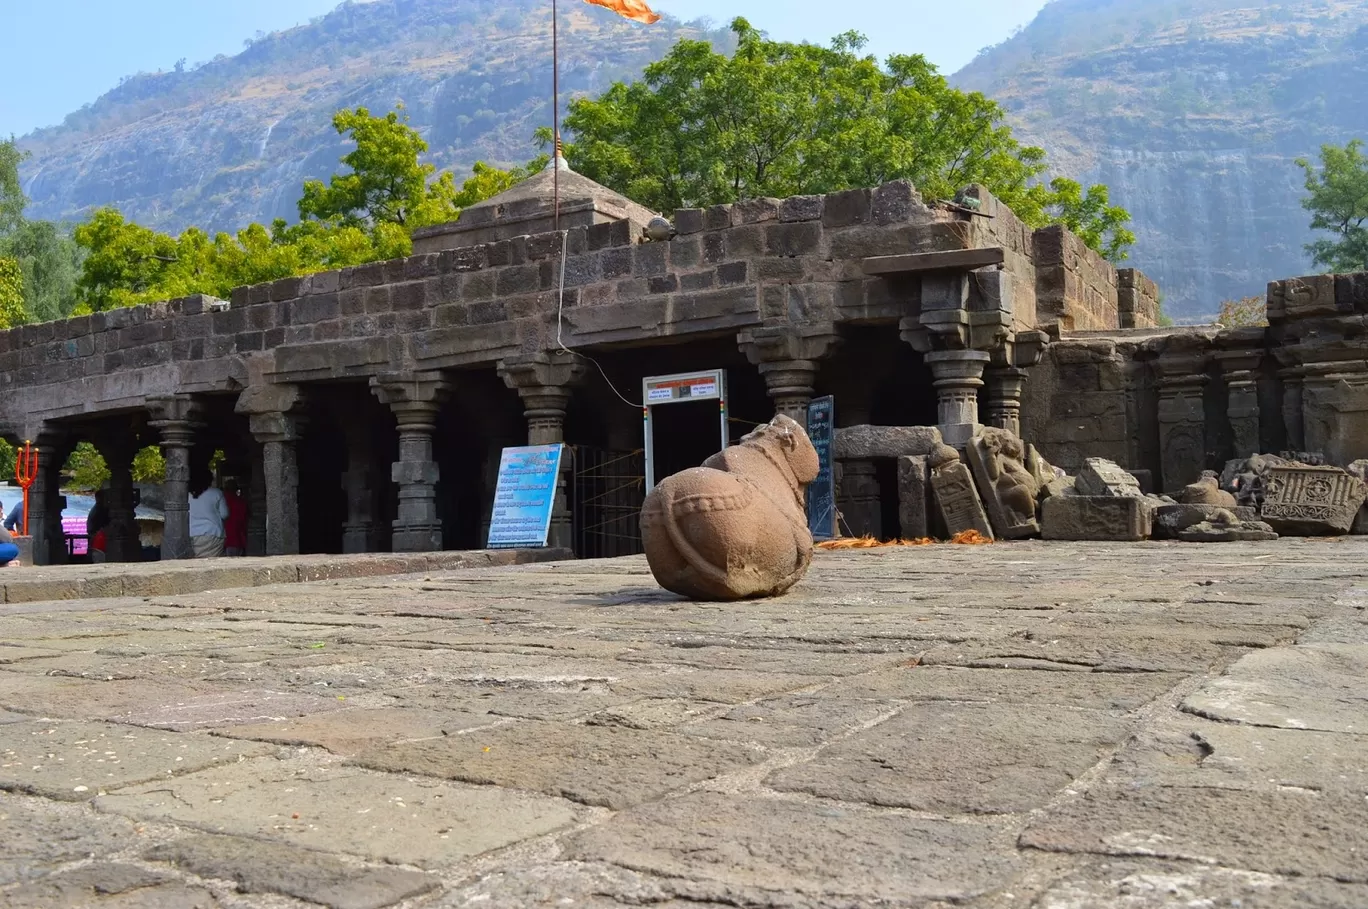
[[208, 511]]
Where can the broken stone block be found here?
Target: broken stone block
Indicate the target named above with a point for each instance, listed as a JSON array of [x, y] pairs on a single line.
[[735, 528], [958, 501], [914, 494], [1312, 501], [1007, 486], [1118, 518], [1359, 470], [1170, 520], [1100, 477], [1238, 532], [866, 442]]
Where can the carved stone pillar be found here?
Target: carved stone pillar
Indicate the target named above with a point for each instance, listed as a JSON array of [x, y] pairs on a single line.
[[788, 357], [46, 501], [1241, 371], [1293, 378], [545, 382], [1182, 419], [415, 399], [256, 503], [1005, 387], [176, 417], [359, 484], [958, 378], [278, 433], [121, 537]]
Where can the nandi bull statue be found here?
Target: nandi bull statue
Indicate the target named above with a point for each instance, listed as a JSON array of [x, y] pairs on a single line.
[[735, 528]]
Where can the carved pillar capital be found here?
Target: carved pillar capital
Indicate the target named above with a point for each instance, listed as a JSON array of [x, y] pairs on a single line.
[[958, 378], [545, 382], [788, 357], [413, 397]]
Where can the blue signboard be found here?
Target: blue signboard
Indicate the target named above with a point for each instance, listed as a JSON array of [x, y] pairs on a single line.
[[524, 497], [821, 493]]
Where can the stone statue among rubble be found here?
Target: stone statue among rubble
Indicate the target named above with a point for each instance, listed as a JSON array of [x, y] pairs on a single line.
[[1009, 487], [735, 528]]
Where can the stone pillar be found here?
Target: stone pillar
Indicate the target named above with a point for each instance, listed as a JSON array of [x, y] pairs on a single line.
[[1005, 387], [958, 378], [1241, 371], [358, 483], [1182, 420], [1292, 378], [278, 433], [415, 399], [175, 417], [46, 501], [787, 357], [121, 538], [545, 382], [256, 503]]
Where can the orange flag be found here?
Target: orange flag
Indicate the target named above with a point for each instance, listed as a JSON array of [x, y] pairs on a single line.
[[635, 10]]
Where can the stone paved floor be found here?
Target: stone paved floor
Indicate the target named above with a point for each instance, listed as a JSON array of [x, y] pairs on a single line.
[[1047, 725]]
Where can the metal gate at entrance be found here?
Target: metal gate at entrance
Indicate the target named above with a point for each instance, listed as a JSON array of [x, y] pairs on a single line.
[[608, 490], [679, 391]]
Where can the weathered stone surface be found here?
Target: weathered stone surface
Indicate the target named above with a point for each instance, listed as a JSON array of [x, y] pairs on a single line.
[[958, 500], [1226, 531], [1311, 501], [257, 867], [1106, 691], [354, 730], [78, 761], [107, 886], [1314, 686], [40, 836], [404, 820], [866, 442], [773, 846], [1281, 832], [1164, 884], [1169, 520], [914, 496], [974, 758], [736, 527], [1116, 518], [1100, 477], [609, 766], [1007, 487]]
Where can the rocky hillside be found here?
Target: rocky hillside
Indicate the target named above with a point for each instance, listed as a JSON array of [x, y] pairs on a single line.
[[232, 141], [1193, 111]]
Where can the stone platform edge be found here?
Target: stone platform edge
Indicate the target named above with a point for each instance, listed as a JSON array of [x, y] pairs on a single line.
[[20, 585]]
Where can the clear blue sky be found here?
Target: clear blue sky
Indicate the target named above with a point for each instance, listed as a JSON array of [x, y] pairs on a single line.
[[61, 55]]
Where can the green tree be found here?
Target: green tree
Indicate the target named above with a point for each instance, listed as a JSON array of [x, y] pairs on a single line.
[[385, 182], [46, 255], [86, 469], [149, 466], [11, 294], [1337, 197], [780, 119], [12, 200]]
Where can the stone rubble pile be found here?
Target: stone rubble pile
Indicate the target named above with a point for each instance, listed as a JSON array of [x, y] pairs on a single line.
[[1001, 487]]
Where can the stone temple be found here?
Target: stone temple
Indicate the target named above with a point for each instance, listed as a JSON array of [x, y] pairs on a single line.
[[365, 409]]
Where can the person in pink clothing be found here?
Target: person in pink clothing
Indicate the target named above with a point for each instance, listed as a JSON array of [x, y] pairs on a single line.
[[235, 527]]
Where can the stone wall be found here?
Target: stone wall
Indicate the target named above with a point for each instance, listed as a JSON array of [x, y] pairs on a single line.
[[1076, 289], [1137, 299]]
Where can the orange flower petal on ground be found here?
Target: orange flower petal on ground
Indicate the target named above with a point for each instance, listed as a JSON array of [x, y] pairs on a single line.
[[629, 9]]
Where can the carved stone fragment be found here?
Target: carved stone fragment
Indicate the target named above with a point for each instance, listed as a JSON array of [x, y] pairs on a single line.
[[1171, 520], [958, 500], [1100, 477], [735, 528], [1116, 518], [1312, 501], [1008, 487]]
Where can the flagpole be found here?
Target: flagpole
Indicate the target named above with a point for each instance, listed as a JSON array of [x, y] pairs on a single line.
[[555, 121]]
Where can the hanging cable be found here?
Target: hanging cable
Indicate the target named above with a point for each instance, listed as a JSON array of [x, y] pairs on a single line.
[[560, 322]]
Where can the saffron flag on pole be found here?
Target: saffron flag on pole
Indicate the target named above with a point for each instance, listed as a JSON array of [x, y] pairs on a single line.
[[635, 10]]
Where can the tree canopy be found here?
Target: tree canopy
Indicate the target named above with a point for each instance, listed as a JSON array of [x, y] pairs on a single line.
[[363, 215], [11, 293], [1337, 197], [47, 258], [781, 119]]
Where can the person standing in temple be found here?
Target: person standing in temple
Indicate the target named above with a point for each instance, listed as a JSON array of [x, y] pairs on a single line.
[[97, 527], [208, 511], [235, 528]]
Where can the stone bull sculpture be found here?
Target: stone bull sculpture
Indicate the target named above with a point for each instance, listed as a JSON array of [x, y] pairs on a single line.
[[735, 528]]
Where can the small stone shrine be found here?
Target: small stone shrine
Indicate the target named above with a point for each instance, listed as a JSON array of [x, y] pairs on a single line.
[[735, 528]]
